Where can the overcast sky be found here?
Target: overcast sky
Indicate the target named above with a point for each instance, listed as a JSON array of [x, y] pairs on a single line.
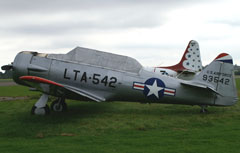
[[155, 32]]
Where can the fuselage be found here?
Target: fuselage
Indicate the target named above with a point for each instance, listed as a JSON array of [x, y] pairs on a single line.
[[162, 71], [111, 84]]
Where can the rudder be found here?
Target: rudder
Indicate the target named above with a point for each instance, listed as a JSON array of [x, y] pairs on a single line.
[[219, 76]]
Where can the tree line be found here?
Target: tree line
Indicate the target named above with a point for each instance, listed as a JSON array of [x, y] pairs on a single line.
[[6, 75]]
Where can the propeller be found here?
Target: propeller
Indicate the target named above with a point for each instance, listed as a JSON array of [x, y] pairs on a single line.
[[7, 67]]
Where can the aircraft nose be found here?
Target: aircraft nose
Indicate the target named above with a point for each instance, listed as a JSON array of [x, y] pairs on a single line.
[[20, 65]]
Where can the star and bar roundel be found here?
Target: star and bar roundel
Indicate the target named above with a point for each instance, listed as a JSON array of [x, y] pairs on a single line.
[[154, 88]]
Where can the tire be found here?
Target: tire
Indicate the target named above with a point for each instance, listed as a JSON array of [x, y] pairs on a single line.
[[40, 111], [59, 105]]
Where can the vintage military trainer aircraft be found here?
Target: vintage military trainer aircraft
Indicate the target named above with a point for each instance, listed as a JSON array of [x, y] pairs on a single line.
[[87, 74], [189, 65]]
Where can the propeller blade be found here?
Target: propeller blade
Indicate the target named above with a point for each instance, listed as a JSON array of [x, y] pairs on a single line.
[[7, 67]]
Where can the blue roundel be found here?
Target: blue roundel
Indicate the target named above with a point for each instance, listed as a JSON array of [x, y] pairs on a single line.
[[154, 88]]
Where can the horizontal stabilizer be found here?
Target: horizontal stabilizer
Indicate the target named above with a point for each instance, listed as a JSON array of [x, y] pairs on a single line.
[[198, 85]]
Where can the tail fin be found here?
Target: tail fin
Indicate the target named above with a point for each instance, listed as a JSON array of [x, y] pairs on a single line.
[[191, 59], [219, 77]]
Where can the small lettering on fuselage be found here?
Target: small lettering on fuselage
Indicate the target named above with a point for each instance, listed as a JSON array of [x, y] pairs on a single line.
[[217, 77], [95, 78], [164, 72], [219, 74]]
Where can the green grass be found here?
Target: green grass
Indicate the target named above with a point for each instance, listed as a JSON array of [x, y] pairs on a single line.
[[6, 80], [16, 91], [118, 127], [238, 85]]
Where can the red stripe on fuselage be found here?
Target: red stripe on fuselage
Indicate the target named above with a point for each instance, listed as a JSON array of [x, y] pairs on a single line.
[[39, 80], [139, 86], [169, 91]]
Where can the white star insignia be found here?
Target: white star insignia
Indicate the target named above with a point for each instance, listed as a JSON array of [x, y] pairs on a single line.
[[154, 89]]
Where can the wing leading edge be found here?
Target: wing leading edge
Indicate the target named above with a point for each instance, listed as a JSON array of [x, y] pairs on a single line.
[[47, 86]]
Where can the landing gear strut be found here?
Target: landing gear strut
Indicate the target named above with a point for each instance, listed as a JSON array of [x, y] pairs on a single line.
[[41, 107], [203, 109], [59, 105]]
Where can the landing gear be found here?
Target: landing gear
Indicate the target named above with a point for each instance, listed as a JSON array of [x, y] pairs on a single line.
[[41, 107], [40, 111], [59, 105], [203, 109]]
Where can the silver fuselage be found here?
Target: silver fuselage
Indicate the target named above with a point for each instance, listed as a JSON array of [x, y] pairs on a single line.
[[113, 85]]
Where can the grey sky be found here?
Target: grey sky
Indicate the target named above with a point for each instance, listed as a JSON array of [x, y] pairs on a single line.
[[148, 30]]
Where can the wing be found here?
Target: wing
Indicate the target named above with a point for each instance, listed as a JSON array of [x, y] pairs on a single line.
[[54, 88]]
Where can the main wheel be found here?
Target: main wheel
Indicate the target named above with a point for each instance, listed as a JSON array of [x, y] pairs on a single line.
[[40, 111], [59, 105], [203, 109]]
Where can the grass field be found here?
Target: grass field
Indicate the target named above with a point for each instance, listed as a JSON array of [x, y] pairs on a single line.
[[5, 80], [116, 127]]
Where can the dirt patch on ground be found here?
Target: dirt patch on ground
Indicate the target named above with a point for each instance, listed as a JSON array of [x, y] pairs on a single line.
[[8, 83], [12, 98]]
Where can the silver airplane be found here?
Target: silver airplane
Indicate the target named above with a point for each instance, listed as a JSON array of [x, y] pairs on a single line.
[[91, 75]]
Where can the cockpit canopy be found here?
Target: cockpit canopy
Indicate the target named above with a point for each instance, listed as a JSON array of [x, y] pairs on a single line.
[[99, 58]]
